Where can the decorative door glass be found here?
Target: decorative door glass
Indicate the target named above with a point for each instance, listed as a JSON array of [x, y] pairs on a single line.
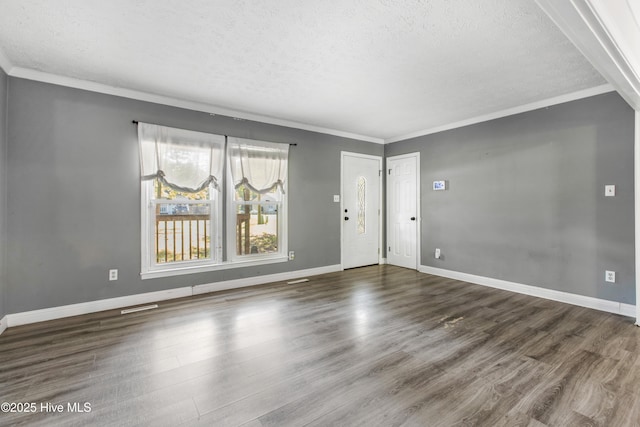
[[362, 203]]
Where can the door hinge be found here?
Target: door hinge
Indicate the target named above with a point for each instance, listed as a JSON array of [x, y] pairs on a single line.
[[389, 171], [389, 248], [378, 251], [380, 172]]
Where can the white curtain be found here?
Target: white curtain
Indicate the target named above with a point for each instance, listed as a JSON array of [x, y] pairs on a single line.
[[185, 160], [261, 166]]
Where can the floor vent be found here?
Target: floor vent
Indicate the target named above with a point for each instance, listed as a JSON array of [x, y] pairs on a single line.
[[293, 282], [135, 309]]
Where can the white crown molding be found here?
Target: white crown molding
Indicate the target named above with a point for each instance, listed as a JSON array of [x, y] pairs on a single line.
[[40, 76], [27, 317], [29, 74], [565, 297], [585, 93], [5, 64]]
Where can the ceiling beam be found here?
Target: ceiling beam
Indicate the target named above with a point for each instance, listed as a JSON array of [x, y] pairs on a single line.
[[607, 32]]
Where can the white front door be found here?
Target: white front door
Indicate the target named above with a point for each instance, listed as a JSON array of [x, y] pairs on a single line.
[[360, 214], [403, 210]]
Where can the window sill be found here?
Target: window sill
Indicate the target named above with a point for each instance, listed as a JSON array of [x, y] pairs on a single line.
[[167, 272]]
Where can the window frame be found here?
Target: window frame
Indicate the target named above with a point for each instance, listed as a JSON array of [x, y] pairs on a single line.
[[148, 206], [223, 220], [192, 267], [231, 219]]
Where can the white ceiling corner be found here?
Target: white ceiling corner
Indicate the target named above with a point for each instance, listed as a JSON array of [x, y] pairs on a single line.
[[376, 70]]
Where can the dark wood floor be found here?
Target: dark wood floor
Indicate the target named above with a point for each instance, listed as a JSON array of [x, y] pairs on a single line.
[[371, 346]]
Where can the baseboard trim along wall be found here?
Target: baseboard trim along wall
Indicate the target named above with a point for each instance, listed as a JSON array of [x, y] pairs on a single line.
[[3, 324], [259, 280], [27, 317], [569, 298], [42, 315]]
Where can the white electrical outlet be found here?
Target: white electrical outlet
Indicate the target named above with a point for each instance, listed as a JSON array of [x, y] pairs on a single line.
[[610, 276], [336, 198], [437, 254], [113, 274], [292, 255]]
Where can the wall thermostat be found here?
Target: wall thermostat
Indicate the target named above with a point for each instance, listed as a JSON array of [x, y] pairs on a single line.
[[439, 185]]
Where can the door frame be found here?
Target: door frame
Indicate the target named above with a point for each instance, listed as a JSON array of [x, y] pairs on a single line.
[[344, 154], [418, 205], [636, 198]]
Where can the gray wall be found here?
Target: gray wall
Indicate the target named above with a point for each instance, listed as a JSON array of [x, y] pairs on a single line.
[[525, 200], [74, 194], [3, 187], [526, 197]]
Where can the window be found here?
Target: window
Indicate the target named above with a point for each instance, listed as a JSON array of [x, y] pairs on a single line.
[[182, 203], [257, 208], [181, 215], [184, 225]]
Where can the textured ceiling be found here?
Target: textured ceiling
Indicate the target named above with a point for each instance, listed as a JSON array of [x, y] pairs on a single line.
[[380, 68]]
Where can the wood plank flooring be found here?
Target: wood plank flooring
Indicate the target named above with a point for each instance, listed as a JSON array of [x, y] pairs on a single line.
[[374, 346]]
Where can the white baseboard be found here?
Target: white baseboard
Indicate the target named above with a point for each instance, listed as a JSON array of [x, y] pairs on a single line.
[[627, 310], [566, 297], [52, 313], [60, 312], [260, 280], [383, 261], [3, 324]]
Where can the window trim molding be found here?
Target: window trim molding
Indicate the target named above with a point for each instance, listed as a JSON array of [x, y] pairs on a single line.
[[231, 211], [223, 215], [230, 244], [167, 270], [148, 268], [193, 269]]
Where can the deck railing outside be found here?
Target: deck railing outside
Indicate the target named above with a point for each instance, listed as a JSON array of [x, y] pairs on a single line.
[[183, 231], [182, 237]]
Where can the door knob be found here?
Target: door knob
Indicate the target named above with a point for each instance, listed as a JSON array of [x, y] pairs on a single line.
[[346, 218], [413, 218]]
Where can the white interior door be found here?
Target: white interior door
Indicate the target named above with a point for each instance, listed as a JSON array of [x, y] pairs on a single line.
[[403, 210], [360, 214]]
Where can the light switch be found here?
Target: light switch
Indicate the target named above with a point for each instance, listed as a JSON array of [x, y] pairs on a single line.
[[609, 190]]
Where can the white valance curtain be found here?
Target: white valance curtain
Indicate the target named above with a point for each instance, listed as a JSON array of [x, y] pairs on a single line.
[[261, 166], [184, 160]]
